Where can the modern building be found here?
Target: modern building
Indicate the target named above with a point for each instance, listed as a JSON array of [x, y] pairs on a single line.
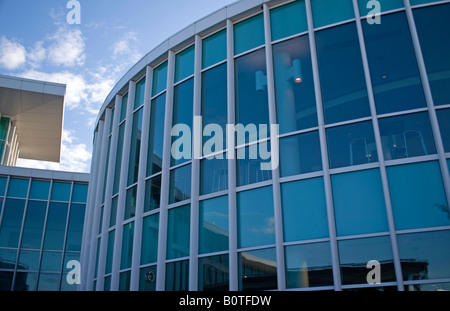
[[362, 104], [41, 212]]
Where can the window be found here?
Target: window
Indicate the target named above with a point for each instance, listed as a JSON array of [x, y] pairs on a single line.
[[140, 93], [147, 279], [359, 203], [342, 79], [393, 66], [288, 20], [18, 188], [385, 5], [256, 225], [159, 79], [180, 184], [444, 124], [149, 248], [300, 154], [79, 194], [133, 168], [152, 193], [156, 135], [177, 276], [123, 109], [127, 245], [213, 175], [75, 227], [417, 195], [34, 224], [184, 63], [56, 226], [351, 144], [213, 220], [213, 273], [330, 12], [11, 223], [130, 203], [304, 210], [432, 24], [248, 165], [178, 232], [308, 265], [294, 85], [214, 48], [257, 270], [61, 191], [248, 34], [407, 136], [118, 164], [39, 189]]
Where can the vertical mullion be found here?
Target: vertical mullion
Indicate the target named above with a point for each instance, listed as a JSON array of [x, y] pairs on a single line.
[[281, 278], [324, 152], [380, 154], [165, 176]]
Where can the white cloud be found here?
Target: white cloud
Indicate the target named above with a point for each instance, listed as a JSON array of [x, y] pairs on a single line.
[[12, 54], [67, 48], [37, 55]]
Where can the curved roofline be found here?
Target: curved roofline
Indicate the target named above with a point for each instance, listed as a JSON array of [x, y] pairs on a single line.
[[184, 37]]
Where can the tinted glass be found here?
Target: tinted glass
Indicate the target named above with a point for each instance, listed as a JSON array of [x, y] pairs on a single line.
[[184, 63], [152, 193], [248, 165], [180, 184], [130, 204], [79, 194], [330, 12], [213, 273], [133, 168], [159, 79], [127, 245], [18, 188], [109, 254], [156, 135], [147, 279], [11, 223], [444, 124], [213, 175], [248, 34], [178, 232], [214, 48], [34, 224], [75, 227], [123, 108], [149, 249], [370, 8], [28, 260], [39, 189], [213, 220], [177, 276], [56, 225], [61, 191], [118, 158], [140, 93], [288, 20], [258, 270]]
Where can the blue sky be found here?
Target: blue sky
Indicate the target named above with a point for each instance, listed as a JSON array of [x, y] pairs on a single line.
[[36, 42]]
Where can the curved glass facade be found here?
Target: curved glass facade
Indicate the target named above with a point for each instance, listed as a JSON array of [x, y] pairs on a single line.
[[180, 199]]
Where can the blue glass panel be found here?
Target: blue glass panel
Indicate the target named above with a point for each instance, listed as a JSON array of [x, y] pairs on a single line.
[[184, 64], [214, 48], [432, 25], [182, 114], [118, 164], [351, 144], [112, 220], [407, 136], [34, 225], [342, 78], [180, 184], [417, 2], [159, 79], [127, 245], [417, 195], [56, 225], [213, 175], [4, 125], [213, 220], [178, 232], [251, 91], [255, 221], [359, 203], [444, 124], [248, 165], [258, 270], [18, 188], [130, 203], [3, 181], [249, 34], [214, 106], [39, 189], [110, 251], [48, 282], [79, 194], [308, 265], [75, 227], [140, 93], [288, 20], [393, 66], [367, 8], [213, 273], [177, 276], [124, 281], [156, 135], [135, 149], [149, 247], [8, 257], [329, 12], [355, 254], [424, 255], [300, 154], [294, 85], [11, 223], [147, 279], [61, 191], [304, 210], [25, 281], [51, 261], [152, 193], [28, 260], [123, 108]]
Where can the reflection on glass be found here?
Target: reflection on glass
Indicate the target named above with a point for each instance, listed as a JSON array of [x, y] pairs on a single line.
[[112, 221], [25, 281], [304, 210], [139, 93], [355, 254], [118, 158], [124, 281], [258, 270], [330, 12], [213, 274], [385, 5], [256, 224], [156, 135], [432, 24], [11, 223], [159, 79], [248, 164], [48, 282], [359, 203], [393, 66], [351, 144], [341, 71], [213, 220], [180, 184], [308, 265], [184, 63], [424, 255], [61, 191], [3, 181], [248, 34], [178, 232], [407, 136], [149, 247], [300, 154], [79, 193], [123, 108], [213, 175], [288, 20], [8, 257], [444, 124], [152, 193], [251, 91], [109, 253], [51, 261], [147, 279], [34, 225], [127, 245], [294, 85], [436, 287], [18, 188], [130, 204], [135, 147], [417, 195], [177, 276], [28, 260], [75, 227], [39, 189], [214, 48]]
